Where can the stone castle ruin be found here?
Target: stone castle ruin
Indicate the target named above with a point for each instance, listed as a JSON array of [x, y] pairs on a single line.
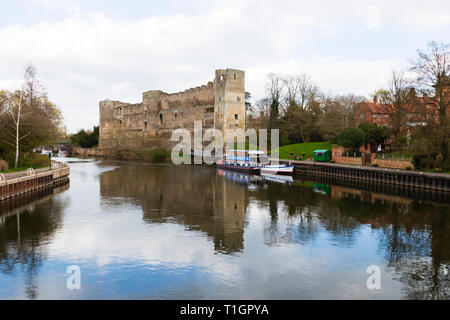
[[219, 104]]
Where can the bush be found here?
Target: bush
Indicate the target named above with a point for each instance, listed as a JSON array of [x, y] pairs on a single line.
[[3, 165], [375, 165], [34, 160], [351, 138], [408, 168], [160, 154]]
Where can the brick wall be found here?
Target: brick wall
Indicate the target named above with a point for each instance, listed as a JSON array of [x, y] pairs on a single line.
[[395, 164]]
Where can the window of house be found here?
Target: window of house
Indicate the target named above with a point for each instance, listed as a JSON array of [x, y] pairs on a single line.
[[236, 117], [374, 115], [220, 99], [362, 116], [176, 114]]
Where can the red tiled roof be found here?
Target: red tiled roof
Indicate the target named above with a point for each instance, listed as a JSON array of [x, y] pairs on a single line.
[[378, 107]]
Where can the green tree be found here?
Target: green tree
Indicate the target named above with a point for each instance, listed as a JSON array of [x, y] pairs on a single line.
[[85, 139], [27, 118], [433, 76], [352, 138], [373, 133]]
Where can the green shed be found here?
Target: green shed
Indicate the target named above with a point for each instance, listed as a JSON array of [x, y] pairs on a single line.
[[322, 155]]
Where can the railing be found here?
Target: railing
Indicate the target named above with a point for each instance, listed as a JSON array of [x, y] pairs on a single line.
[[349, 154], [393, 156], [32, 180]]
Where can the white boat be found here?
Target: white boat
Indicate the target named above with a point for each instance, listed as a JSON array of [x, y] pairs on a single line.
[[277, 169], [278, 178]]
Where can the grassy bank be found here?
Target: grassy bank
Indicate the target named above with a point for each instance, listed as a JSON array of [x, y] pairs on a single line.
[[306, 148]]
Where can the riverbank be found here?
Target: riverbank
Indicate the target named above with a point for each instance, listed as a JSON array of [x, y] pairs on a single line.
[[17, 183], [427, 180]]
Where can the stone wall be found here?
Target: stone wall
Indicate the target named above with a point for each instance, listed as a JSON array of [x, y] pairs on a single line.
[[389, 163], [336, 156], [219, 104]]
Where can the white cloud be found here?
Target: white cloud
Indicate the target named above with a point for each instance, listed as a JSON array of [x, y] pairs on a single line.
[[88, 56]]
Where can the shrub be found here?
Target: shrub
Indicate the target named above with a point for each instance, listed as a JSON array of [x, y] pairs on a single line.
[[375, 165], [351, 138], [408, 168], [160, 154], [34, 160], [3, 165]]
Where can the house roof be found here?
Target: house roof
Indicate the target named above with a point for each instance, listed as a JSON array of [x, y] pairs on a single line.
[[378, 107]]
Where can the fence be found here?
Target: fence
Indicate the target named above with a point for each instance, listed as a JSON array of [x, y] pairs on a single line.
[[57, 175]]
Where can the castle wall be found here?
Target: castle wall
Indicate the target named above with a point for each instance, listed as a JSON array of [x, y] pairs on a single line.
[[219, 104]]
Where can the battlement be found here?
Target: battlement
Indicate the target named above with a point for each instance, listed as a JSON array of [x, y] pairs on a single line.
[[219, 103]]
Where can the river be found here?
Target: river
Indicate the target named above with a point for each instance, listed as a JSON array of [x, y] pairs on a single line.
[[159, 231]]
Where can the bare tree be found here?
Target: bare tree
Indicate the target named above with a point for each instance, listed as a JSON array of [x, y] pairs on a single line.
[[338, 114], [433, 70], [14, 107], [400, 105], [27, 113]]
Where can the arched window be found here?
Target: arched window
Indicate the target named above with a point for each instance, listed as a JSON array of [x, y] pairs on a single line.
[[160, 118]]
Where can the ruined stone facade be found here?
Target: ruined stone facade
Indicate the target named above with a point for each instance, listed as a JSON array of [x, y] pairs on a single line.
[[219, 104]]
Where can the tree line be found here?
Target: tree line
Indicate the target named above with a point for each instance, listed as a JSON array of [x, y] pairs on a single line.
[[28, 119], [415, 101]]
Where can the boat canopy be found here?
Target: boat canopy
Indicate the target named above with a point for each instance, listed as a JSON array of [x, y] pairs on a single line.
[[250, 152]]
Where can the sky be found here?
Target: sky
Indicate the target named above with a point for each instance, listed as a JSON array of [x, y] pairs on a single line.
[[88, 50]]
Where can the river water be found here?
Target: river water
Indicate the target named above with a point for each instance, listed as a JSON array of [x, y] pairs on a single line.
[[159, 231]]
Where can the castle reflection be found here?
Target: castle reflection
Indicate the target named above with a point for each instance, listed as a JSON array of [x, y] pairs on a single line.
[[414, 233], [210, 203]]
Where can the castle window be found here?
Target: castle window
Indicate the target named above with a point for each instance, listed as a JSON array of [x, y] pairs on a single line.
[[220, 99], [235, 76], [145, 124], [160, 118], [176, 114], [239, 99], [236, 117]]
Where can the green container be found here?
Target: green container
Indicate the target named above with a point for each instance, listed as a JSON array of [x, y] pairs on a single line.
[[322, 155]]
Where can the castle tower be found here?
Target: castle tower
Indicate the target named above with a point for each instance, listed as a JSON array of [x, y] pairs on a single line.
[[229, 103]]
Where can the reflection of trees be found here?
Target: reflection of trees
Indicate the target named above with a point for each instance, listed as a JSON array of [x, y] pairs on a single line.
[[414, 238], [414, 235], [24, 230], [306, 211], [417, 250], [195, 197]]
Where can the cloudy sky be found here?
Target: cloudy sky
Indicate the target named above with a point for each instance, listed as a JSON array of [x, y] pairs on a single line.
[[89, 50]]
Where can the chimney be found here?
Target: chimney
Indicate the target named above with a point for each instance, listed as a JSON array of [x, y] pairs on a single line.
[[375, 99]]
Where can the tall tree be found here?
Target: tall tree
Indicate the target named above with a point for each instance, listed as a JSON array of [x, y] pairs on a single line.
[[401, 104], [28, 118], [433, 70], [15, 109]]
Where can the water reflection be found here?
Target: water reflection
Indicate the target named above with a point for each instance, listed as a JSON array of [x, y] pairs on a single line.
[[162, 231], [191, 196], [26, 223]]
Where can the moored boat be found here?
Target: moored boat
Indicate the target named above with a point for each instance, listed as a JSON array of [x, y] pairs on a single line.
[[249, 161], [277, 169]]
